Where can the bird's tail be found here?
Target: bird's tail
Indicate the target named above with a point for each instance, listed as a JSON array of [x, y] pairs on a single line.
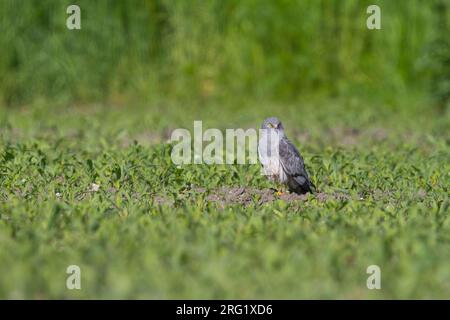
[[312, 187], [303, 185]]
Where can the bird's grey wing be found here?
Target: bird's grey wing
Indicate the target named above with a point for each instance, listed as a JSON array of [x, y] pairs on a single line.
[[293, 164]]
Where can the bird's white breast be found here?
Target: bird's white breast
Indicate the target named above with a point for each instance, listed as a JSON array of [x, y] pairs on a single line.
[[269, 157]]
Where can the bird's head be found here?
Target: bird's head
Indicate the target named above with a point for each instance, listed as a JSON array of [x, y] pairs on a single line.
[[272, 123]]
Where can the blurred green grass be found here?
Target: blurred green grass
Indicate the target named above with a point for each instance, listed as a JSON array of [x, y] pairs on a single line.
[[130, 244], [153, 50]]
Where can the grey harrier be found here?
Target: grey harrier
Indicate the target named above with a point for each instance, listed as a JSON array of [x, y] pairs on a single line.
[[280, 160]]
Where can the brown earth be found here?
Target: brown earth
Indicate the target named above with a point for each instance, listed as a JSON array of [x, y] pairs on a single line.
[[247, 196]]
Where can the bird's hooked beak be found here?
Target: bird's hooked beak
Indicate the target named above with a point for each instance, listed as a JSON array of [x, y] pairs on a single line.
[[274, 126]]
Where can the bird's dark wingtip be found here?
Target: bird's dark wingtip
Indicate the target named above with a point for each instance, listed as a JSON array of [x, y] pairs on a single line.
[[312, 188]]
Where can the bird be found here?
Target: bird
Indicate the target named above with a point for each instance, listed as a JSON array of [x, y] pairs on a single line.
[[280, 159]]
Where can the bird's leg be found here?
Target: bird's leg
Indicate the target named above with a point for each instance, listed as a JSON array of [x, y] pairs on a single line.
[[281, 190]]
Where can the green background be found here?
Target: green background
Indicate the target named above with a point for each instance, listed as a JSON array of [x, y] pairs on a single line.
[[368, 109]]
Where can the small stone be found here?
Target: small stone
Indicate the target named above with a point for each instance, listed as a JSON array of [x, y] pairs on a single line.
[[422, 193]]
